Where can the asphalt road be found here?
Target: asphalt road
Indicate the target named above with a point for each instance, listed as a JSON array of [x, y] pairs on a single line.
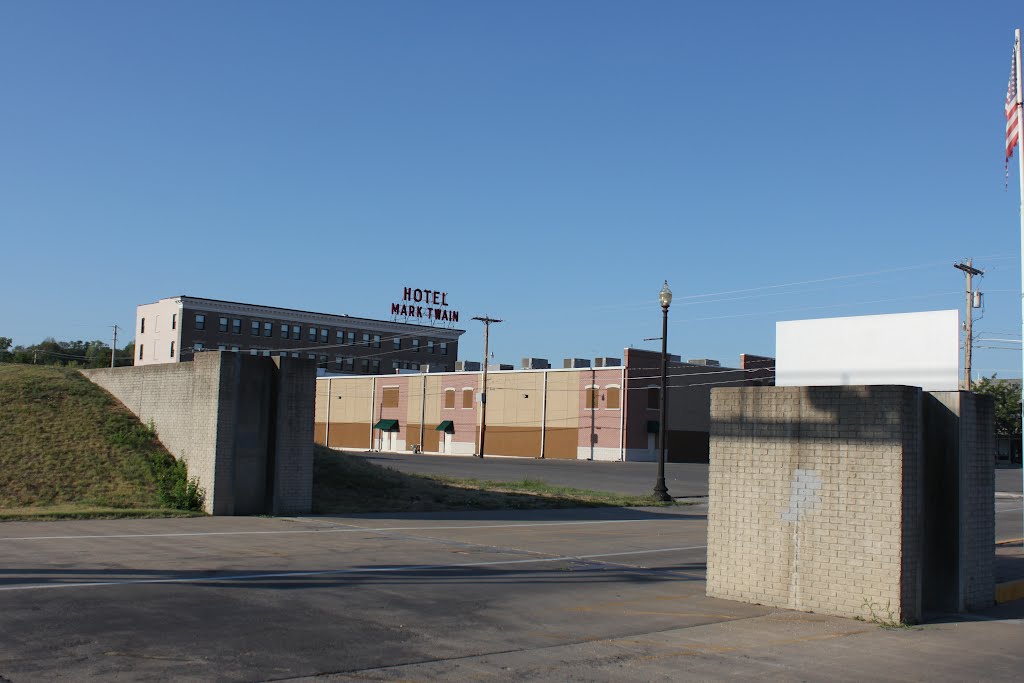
[[580, 595], [683, 479]]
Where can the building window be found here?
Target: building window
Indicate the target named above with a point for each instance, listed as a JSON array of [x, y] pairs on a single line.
[[366, 339], [254, 328], [375, 367], [444, 348], [268, 329], [312, 334], [311, 356], [653, 398], [140, 351], [612, 397], [396, 343], [416, 345], [449, 398], [323, 359], [197, 347], [142, 326], [591, 398], [325, 335], [234, 349], [350, 364], [236, 326], [174, 321], [430, 346], [253, 352], [284, 330], [338, 360], [351, 338], [266, 353], [389, 397], [415, 366], [296, 333], [394, 365], [364, 366], [376, 341], [172, 349], [467, 398], [222, 324], [221, 347], [200, 321]]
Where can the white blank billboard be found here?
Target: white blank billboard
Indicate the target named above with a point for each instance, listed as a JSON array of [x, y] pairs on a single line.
[[915, 349]]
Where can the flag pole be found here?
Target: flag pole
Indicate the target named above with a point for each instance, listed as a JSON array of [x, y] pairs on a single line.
[[1020, 181]]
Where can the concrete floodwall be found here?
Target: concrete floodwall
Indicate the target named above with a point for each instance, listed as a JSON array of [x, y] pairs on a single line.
[[242, 424], [861, 501]]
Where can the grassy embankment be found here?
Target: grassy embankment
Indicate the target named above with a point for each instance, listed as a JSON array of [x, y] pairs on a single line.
[[345, 483], [69, 450]]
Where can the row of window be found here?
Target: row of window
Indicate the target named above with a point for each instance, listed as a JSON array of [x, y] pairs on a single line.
[[174, 323], [316, 335], [340, 363], [142, 348], [612, 397]]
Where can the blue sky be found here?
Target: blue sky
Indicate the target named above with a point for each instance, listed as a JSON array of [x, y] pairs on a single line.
[[548, 163]]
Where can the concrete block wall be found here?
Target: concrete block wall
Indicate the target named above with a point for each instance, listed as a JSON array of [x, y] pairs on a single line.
[[196, 409], [977, 513], [293, 450], [960, 521], [184, 404], [815, 499]]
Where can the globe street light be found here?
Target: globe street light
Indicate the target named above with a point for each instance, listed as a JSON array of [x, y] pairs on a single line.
[[660, 490]]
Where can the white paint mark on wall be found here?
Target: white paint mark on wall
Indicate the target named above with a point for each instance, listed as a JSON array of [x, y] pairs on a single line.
[[803, 494], [803, 498]]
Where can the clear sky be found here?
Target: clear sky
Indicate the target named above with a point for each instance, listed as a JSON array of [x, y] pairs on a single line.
[[545, 162]]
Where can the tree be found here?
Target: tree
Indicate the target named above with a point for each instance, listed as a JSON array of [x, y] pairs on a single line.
[[5, 348], [1006, 394]]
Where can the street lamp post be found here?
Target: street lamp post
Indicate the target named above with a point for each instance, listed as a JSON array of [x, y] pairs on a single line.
[[660, 490]]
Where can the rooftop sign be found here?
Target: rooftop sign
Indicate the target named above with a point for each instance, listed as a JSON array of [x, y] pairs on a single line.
[[425, 304]]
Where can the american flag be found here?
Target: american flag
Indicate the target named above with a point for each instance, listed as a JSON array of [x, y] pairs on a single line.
[[1012, 116]]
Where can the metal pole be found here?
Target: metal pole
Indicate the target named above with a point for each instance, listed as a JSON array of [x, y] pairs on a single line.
[[113, 349], [1020, 180], [483, 391], [660, 489]]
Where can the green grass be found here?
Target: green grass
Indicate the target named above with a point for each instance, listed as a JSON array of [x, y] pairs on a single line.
[[69, 450], [345, 483]]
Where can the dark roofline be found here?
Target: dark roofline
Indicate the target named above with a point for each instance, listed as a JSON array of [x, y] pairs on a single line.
[[299, 310]]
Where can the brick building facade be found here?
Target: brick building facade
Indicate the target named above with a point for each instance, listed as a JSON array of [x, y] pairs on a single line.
[[174, 329]]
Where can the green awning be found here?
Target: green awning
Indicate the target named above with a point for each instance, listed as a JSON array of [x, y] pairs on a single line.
[[445, 426], [387, 425], [652, 426]]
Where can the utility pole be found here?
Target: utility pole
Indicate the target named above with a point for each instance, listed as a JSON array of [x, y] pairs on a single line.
[[113, 348], [970, 271], [486, 320]]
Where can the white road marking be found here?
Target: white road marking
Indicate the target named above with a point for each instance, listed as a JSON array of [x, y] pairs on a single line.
[[338, 572], [329, 530]]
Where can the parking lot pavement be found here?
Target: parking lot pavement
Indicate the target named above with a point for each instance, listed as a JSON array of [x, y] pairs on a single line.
[[684, 480], [601, 594], [257, 598], [1008, 480]]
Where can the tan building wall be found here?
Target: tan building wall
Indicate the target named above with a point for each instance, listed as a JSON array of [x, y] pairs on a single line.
[[533, 413]]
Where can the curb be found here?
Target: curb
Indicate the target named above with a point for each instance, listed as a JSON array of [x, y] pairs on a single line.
[[1009, 591]]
